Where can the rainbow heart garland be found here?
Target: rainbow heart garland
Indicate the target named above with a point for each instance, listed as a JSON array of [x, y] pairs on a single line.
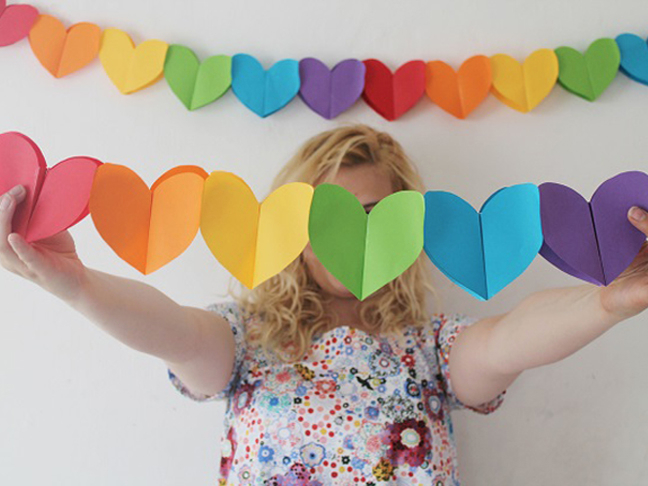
[[327, 92], [481, 251]]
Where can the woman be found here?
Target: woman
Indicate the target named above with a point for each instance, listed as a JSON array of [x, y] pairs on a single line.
[[322, 388]]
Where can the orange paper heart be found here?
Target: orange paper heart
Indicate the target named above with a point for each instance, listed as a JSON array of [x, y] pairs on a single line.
[[147, 228], [460, 92], [61, 51]]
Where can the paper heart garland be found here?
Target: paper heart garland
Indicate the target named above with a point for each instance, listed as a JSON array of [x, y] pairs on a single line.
[[524, 86], [588, 75], [131, 68], [147, 228], [483, 252], [593, 241], [62, 51], [392, 95], [330, 92], [365, 251], [264, 92], [197, 84], [634, 57], [254, 241], [459, 93], [57, 198], [15, 22]]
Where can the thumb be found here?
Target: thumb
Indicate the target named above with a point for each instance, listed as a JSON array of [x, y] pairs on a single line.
[[28, 254], [639, 218]]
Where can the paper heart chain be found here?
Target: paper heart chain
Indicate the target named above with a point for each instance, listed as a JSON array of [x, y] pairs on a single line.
[[481, 251], [327, 91]]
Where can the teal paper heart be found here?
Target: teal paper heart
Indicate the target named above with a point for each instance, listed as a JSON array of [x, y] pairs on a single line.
[[483, 252], [264, 92]]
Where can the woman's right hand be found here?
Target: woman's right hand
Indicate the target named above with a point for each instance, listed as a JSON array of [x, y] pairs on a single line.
[[51, 263]]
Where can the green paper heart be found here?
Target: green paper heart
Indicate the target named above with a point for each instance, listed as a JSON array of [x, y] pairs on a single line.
[[365, 251], [196, 84], [588, 75]]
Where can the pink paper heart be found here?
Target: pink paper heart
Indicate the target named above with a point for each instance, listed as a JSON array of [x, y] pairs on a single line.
[[57, 198], [15, 22]]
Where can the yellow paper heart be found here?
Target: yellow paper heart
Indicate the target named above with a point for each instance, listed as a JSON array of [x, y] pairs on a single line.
[[254, 241], [131, 68], [524, 86]]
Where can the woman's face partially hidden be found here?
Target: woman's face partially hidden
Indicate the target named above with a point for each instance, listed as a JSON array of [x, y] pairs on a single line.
[[369, 185]]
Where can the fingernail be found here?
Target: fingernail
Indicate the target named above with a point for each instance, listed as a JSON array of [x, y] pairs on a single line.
[[637, 214], [5, 201], [17, 190]]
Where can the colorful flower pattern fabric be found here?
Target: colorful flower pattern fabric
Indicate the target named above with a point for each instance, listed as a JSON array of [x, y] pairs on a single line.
[[358, 409]]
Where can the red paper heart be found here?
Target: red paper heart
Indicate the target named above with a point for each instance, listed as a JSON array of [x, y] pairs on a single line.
[[15, 22], [57, 198], [391, 95]]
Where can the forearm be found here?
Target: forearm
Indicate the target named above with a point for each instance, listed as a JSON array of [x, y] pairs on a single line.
[[138, 315], [546, 327]]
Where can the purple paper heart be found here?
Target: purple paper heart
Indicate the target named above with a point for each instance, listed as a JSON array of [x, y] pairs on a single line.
[[330, 92], [593, 241]]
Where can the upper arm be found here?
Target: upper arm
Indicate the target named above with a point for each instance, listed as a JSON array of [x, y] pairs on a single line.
[[475, 379], [208, 369]]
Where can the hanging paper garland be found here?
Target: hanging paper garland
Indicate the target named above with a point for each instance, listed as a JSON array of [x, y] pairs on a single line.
[[521, 86], [482, 252]]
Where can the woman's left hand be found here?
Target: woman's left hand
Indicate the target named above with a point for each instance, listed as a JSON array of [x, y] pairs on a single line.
[[627, 295]]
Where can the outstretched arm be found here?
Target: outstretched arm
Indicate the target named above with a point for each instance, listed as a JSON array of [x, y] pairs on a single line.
[[196, 344], [544, 328]]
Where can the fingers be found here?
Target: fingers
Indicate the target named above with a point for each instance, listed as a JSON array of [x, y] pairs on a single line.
[[639, 218], [8, 204]]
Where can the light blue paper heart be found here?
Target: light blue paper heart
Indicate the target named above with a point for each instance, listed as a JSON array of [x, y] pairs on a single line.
[[483, 252], [634, 57], [264, 92]]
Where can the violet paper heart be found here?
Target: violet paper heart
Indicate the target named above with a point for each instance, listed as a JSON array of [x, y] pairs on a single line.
[[593, 241], [330, 92]]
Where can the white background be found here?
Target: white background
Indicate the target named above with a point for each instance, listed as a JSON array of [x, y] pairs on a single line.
[[78, 408]]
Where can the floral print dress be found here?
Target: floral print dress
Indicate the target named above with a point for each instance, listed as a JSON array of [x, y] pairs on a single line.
[[357, 410]]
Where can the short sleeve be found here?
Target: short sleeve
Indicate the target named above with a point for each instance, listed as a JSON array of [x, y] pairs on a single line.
[[231, 313], [446, 328]]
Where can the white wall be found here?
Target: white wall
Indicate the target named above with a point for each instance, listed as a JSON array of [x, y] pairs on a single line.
[[78, 408]]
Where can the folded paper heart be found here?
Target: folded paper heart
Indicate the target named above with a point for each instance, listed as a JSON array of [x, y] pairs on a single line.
[[588, 75], [197, 84], [254, 241], [593, 241], [392, 95], [264, 92], [634, 57], [131, 68], [330, 92], [15, 22], [524, 86], [62, 51], [147, 228], [365, 251], [460, 92], [57, 198], [483, 252]]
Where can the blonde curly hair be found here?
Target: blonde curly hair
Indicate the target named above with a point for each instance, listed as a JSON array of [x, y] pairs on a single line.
[[290, 305]]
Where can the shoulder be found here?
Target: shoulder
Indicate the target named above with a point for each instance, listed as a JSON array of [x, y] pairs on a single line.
[[440, 327]]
